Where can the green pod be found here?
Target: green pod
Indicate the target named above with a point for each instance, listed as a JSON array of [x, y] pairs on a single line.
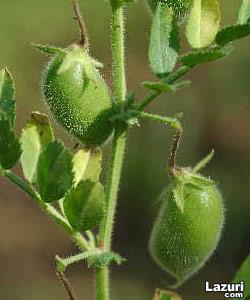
[[179, 7], [78, 97], [188, 227]]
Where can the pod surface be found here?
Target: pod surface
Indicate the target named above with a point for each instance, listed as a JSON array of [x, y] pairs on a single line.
[[179, 7], [82, 105], [184, 237]]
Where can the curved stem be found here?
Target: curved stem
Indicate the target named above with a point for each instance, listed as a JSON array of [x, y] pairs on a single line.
[[67, 285], [118, 149]]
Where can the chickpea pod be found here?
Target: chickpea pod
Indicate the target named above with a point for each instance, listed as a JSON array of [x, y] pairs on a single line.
[[188, 226], [78, 97]]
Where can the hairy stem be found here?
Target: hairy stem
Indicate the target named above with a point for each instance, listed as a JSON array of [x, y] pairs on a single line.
[[172, 161], [183, 70], [48, 209], [118, 149], [172, 122]]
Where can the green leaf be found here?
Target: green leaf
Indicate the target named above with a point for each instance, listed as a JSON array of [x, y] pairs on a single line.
[[84, 205], [54, 172], [10, 150], [7, 97], [232, 33], [104, 259], [165, 295], [36, 135], [244, 12], [87, 165], [204, 56], [244, 275], [157, 86], [165, 87], [164, 41], [203, 23], [48, 49]]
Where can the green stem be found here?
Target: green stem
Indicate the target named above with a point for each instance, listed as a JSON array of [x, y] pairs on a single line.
[[201, 164], [48, 209], [148, 99], [63, 263], [118, 149], [183, 70], [172, 122]]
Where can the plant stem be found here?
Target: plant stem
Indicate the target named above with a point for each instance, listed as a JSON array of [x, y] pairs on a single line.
[[118, 149], [172, 161], [66, 285], [172, 122], [183, 70], [84, 40], [48, 209], [63, 263]]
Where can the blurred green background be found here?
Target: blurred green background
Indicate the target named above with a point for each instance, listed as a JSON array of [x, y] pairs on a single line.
[[217, 115]]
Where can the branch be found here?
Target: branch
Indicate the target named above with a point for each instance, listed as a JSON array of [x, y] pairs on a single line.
[[170, 79]]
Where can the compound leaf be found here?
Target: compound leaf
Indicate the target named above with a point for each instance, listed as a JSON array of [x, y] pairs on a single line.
[[54, 172], [10, 149], [203, 23], [84, 205], [7, 97], [164, 41], [36, 135], [232, 33]]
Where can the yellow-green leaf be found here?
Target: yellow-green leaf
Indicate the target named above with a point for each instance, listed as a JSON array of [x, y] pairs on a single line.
[[203, 23], [87, 165], [244, 12], [36, 135]]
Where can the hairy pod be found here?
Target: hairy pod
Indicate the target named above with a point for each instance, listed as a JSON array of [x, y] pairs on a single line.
[[188, 227], [179, 7], [78, 97]]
